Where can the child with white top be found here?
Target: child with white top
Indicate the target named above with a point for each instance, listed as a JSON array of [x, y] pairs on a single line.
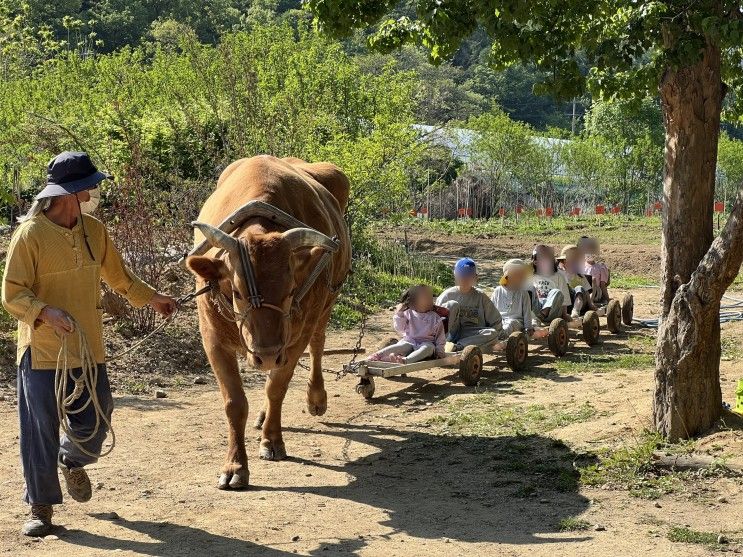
[[473, 318], [549, 290], [512, 300]]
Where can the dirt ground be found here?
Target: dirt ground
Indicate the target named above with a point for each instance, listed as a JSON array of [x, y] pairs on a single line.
[[381, 477], [372, 478]]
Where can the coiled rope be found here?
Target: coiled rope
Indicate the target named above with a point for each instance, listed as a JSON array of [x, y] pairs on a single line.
[[87, 380]]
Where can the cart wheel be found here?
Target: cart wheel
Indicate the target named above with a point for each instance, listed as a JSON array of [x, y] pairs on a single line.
[[365, 387], [470, 365], [614, 317], [558, 338], [517, 349], [628, 309], [591, 328]]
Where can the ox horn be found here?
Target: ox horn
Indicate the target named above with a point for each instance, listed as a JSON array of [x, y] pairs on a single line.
[[216, 237], [309, 238]]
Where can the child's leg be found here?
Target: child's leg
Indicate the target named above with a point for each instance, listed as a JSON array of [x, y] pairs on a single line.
[[481, 337], [511, 326], [424, 351], [552, 307], [605, 292], [536, 307], [579, 302], [400, 348], [455, 325]]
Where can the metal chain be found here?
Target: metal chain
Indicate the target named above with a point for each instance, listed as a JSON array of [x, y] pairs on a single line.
[[352, 365]]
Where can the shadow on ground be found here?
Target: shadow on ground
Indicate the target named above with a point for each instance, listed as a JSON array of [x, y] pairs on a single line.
[[511, 489], [174, 540]]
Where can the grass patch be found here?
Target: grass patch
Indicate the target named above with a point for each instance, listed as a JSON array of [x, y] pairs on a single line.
[[482, 415], [631, 468], [731, 348], [572, 524], [623, 230], [592, 363], [687, 535], [628, 282]]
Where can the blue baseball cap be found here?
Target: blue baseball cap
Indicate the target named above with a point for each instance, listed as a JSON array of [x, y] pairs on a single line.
[[465, 267]]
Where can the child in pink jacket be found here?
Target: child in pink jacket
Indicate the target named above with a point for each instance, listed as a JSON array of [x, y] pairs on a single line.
[[421, 327]]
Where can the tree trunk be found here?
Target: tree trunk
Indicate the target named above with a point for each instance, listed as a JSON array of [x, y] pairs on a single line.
[[687, 376]]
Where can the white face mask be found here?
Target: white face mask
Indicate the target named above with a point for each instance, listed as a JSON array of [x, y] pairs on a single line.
[[95, 198]]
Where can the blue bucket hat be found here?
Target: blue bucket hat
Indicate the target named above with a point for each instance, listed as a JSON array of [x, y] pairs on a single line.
[[465, 267], [71, 172]]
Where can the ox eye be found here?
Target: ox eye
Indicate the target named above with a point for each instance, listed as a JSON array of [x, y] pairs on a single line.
[[236, 294]]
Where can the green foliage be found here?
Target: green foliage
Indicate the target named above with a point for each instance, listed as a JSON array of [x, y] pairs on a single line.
[[730, 167], [626, 45], [190, 111]]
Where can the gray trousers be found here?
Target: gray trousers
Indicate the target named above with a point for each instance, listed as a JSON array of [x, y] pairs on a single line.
[[41, 446], [511, 326], [465, 337], [553, 302], [407, 349]]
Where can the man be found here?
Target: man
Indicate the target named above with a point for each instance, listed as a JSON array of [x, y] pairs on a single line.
[[56, 260]]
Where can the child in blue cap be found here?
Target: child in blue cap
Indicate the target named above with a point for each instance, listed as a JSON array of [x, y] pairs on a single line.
[[473, 318]]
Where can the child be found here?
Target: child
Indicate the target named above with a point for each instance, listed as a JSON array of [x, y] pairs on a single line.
[[512, 300], [550, 293], [570, 263], [421, 328], [473, 318], [598, 271]]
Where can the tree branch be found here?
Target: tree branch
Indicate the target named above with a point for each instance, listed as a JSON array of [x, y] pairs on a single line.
[[721, 264]]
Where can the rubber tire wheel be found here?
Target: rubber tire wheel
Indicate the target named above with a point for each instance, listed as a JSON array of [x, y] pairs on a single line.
[[517, 349], [614, 317], [470, 365], [591, 328], [558, 339], [365, 387], [628, 309]]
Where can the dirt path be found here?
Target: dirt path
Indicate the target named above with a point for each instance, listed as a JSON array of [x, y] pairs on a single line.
[[370, 478]]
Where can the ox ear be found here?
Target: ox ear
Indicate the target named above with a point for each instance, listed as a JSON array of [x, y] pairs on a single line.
[[208, 268]]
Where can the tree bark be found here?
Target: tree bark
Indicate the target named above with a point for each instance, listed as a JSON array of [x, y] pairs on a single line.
[[687, 376]]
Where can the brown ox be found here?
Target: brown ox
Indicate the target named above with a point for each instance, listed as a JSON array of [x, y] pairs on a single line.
[[273, 339]]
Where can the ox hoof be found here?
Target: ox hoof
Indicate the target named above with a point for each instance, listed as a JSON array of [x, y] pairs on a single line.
[[272, 451], [236, 480], [259, 419], [317, 403]]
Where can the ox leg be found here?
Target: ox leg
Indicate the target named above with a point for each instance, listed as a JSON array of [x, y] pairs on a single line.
[[317, 398], [235, 474], [272, 442]]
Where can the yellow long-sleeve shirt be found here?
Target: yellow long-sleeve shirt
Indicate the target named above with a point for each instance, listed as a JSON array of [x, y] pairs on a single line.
[[48, 264]]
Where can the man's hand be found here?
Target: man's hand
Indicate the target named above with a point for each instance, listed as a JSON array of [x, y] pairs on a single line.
[[58, 319], [162, 304]]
